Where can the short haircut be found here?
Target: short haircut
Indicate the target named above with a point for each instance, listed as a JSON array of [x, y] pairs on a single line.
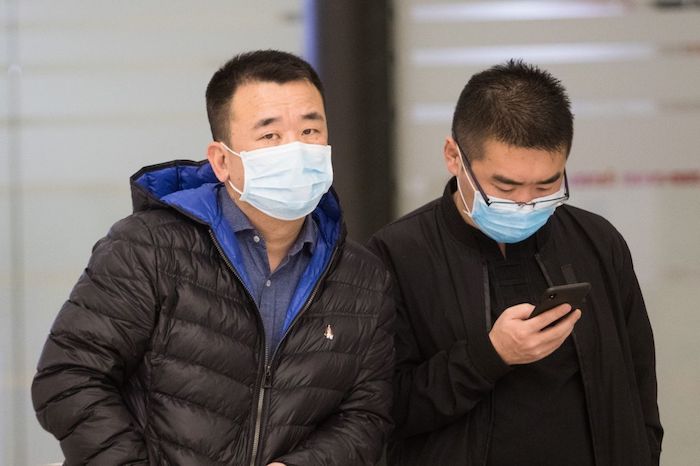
[[257, 66], [517, 104]]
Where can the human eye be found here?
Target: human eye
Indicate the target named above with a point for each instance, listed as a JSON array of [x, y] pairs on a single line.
[[505, 189], [546, 189], [310, 131], [268, 137]]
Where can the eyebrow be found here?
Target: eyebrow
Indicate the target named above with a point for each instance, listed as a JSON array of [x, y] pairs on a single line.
[[265, 122], [313, 116], [506, 180]]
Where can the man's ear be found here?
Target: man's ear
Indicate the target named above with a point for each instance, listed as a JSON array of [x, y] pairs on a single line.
[[452, 157], [217, 159]]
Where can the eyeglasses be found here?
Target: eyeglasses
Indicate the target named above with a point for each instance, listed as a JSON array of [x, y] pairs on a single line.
[[513, 205]]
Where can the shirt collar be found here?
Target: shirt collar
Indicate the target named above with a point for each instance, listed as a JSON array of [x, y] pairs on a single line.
[[307, 237], [232, 213]]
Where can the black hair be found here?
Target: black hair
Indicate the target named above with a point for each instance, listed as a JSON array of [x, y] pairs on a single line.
[[517, 104], [260, 65]]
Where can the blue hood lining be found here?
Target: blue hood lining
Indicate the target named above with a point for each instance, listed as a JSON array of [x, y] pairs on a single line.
[[164, 179]]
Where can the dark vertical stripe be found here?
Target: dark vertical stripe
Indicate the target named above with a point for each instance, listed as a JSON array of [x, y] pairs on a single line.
[[354, 57]]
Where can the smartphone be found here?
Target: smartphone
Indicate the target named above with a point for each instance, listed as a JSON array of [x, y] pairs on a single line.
[[574, 294]]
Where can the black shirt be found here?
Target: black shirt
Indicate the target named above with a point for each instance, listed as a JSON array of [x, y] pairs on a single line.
[[539, 408]]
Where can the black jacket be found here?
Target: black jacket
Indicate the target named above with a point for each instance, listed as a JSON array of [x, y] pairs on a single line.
[[159, 357], [447, 367]]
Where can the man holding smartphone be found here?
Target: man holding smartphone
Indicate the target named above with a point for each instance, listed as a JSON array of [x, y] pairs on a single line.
[[479, 380]]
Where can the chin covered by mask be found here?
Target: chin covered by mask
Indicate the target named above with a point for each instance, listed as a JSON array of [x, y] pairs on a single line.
[[287, 181]]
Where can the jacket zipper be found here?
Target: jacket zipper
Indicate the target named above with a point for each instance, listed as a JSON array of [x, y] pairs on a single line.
[[268, 367], [266, 382]]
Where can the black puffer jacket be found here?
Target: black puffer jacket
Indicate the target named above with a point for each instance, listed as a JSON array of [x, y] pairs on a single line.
[[159, 356]]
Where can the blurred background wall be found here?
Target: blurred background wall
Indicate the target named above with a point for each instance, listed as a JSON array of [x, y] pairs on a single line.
[[92, 91]]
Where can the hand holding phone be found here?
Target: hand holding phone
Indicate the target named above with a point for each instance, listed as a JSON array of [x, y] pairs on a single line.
[[573, 294]]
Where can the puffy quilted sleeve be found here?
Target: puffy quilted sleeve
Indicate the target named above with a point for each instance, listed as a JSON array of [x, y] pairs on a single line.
[[96, 342]]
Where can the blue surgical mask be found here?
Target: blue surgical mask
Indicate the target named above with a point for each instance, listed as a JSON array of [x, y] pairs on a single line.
[[286, 181], [505, 221]]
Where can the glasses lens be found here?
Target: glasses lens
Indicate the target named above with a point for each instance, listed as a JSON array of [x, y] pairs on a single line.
[[550, 202], [511, 206]]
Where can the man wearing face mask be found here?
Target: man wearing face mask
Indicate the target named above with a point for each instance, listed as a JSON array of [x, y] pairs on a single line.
[[228, 320], [478, 380]]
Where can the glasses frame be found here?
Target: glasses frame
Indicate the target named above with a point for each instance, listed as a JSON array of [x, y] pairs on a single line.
[[489, 202]]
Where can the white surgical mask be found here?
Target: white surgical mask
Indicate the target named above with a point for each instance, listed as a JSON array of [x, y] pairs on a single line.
[[286, 181]]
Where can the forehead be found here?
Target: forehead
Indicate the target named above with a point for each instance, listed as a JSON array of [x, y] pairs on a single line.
[[265, 99], [519, 163]]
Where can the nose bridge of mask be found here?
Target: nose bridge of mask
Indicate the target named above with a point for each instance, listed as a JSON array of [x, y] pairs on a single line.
[[291, 165], [271, 151]]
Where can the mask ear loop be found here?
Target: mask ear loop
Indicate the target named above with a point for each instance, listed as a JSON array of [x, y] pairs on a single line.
[[459, 187], [230, 183]]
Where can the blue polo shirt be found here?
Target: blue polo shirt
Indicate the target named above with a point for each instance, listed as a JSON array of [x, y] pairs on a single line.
[[272, 291]]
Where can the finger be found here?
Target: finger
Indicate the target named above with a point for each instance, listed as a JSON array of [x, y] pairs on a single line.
[[547, 317], [549, 340], [519, 311], [562, 329]]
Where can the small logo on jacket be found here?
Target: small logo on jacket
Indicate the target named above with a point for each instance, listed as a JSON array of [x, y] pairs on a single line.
[[328, 333]]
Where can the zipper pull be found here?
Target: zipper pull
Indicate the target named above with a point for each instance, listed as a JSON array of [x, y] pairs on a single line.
[[267, 383]]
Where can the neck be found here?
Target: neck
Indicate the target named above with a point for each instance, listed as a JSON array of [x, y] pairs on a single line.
[[279, 234], [502, 247]]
